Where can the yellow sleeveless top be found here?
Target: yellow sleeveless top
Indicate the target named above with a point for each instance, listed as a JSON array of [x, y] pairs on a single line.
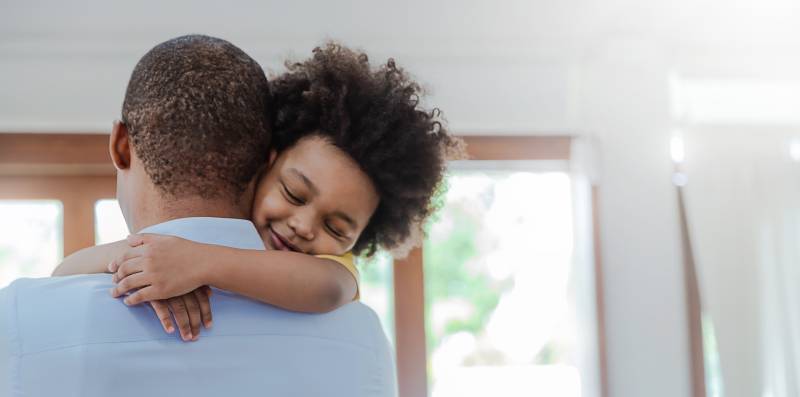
[[349, 262]]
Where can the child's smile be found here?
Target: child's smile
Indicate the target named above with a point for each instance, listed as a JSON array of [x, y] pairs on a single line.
[[278, 242]]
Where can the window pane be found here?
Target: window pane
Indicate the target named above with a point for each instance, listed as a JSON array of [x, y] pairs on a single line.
[[377, 289], [500, 314], [109, 223], [31, 238]]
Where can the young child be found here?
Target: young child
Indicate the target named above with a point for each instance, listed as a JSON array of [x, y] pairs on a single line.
[[356, 166]]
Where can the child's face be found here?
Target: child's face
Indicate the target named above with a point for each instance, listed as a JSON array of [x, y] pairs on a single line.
[[314, 199]]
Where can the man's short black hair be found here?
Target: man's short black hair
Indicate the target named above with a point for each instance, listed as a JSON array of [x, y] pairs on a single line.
[[196, 109]]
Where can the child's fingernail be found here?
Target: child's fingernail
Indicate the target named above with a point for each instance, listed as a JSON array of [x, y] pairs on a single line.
[[209, 324], [127, 301]]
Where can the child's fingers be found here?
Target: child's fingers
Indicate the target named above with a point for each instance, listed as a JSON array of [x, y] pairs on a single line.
[[130, 283], [162, 311], [205, 305], [193, 310], [178, 308], [127, 255], [129, 267], [142, 295]]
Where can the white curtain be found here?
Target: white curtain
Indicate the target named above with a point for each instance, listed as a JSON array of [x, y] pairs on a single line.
[[779, 251], [743, 204]]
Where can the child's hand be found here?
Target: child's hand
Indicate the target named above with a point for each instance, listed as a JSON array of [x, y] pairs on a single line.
[[189, 310], [157, 267]]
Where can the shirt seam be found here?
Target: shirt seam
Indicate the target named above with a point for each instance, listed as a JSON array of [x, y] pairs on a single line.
[[66, 347]]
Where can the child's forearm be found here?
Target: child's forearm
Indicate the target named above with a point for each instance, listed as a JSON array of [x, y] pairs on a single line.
[[90, 260], [289, 280]]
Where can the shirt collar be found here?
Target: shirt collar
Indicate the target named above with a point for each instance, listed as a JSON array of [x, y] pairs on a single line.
[[229, 232]]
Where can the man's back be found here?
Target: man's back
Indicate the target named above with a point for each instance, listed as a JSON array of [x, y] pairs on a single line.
[[66, 336], [71, 338]]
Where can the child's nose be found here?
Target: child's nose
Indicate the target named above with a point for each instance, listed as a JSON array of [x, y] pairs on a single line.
[[301, 225]]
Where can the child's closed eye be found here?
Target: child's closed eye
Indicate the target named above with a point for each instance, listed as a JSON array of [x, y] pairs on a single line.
[[335, 232], [291, 197]]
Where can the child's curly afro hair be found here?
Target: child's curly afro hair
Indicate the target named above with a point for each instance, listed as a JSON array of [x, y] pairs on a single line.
[[373, 115]]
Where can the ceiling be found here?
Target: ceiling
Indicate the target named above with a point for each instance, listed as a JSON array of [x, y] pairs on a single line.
[[511, 67]]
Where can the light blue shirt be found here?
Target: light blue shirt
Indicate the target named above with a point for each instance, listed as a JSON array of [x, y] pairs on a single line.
[[65, 336]]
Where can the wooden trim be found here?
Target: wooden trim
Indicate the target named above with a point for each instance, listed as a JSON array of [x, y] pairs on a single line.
[[56, 187], [518, 147], [88, 153], [54, 154], [694, 304], [54, 148], [77, 194], [409, 314], [79, 227], [599, 285], [92, 149]]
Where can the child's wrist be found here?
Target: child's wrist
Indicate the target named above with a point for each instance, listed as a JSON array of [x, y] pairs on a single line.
[[202, 271]]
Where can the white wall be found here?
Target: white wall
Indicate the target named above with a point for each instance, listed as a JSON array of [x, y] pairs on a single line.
[[599, 69], [65, 67]]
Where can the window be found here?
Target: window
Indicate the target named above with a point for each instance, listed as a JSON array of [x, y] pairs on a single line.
[[30, 238], [377, 289], [499, 307], [109, 225]]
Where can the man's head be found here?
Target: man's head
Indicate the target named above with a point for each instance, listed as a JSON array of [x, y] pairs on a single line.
[[195, 129]]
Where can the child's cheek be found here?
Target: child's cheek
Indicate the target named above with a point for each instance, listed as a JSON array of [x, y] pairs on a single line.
[[272, 208]]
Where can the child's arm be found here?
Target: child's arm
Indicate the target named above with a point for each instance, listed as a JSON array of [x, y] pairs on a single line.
[[289, 280], [168, 266], [187, 317], [91, 260]]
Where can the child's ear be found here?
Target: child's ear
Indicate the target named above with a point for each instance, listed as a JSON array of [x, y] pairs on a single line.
[[119, 146], [273, 154]]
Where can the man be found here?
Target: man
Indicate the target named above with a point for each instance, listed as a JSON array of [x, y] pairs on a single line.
[[194, 134]]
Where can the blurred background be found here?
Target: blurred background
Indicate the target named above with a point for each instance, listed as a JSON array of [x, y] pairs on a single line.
[[627, 225]]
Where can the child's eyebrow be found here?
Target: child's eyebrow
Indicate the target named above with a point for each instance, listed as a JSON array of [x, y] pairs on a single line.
[[305, 180]]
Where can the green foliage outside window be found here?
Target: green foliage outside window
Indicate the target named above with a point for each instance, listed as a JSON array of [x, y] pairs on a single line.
[[451, 274]]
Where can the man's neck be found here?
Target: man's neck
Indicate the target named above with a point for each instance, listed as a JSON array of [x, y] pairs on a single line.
[[166, 210]]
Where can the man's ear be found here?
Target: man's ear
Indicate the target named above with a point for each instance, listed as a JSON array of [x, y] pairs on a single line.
[[119, 146]]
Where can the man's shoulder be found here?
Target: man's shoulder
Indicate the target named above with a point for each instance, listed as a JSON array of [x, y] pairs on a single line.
[[66, 311], [57, 283], [53, 311], [52, 293], [56, 290]]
